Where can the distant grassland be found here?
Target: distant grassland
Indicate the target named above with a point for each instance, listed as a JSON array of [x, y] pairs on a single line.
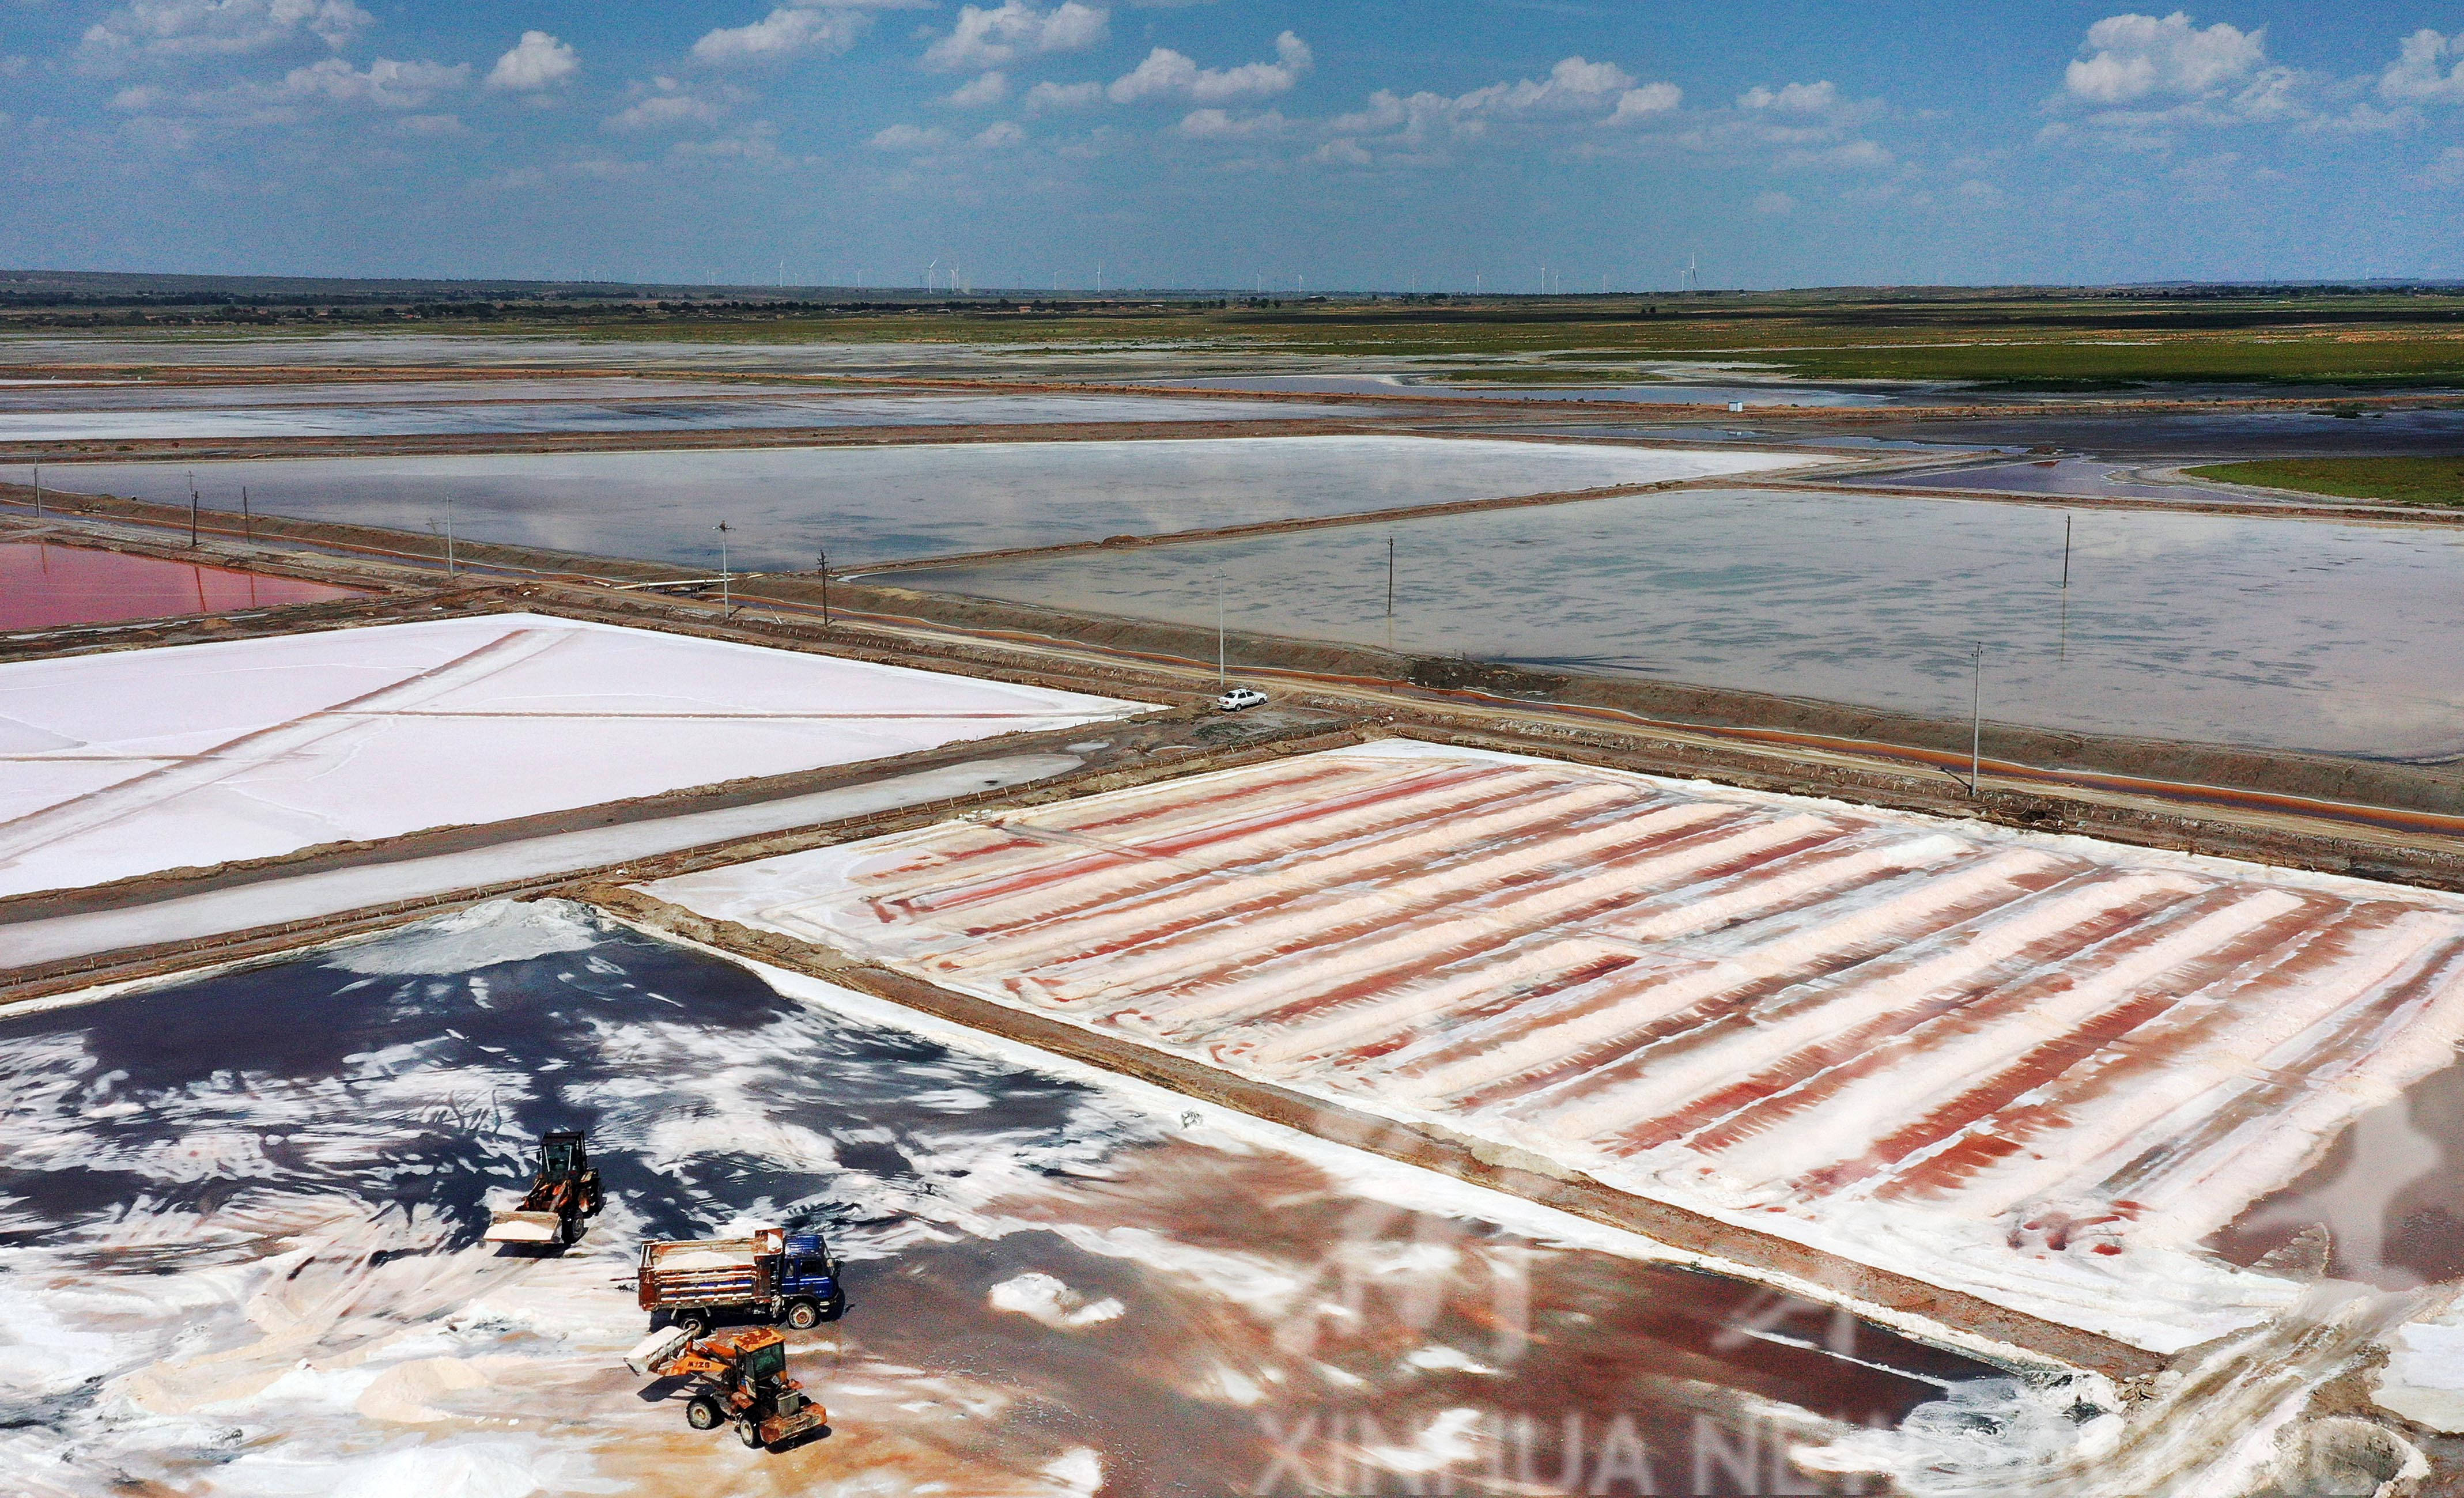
[[2400, 343], [2398, 480], [2011, 339]]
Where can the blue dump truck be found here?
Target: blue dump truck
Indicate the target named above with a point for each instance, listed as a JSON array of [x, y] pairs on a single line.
[[773, 1275]]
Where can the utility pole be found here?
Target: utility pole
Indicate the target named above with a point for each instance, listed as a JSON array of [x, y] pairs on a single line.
[[1222, 669], [193, 508], [2063, 651], [39, 490], [823, 568], [247, 526], [1389, 577], [1977, 721], [449, 538], [726, 606]]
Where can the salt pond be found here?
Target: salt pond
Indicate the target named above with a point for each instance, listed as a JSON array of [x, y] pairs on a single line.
[[2034, 1069], [649, 411], [43, 586], [1767, 392], [784, 505], [2290, 634], [135, 762], [243, 1257]]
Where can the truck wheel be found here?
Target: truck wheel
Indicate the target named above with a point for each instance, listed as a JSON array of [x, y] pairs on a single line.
[[694, 1323], [837, 1306], [703, 1413], [804, 1315], [571, 1229], [750, 1434]]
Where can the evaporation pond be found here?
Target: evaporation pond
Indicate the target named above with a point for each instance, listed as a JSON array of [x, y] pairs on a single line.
[[44, 587], [2278, 633], [785, 505], [245, 1256], [123, 419]]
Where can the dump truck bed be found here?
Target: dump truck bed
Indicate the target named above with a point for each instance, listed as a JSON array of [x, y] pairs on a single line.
[[709, 1272]]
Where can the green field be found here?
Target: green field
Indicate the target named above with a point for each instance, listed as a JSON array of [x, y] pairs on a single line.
[[2397, 480], [2015, 337]]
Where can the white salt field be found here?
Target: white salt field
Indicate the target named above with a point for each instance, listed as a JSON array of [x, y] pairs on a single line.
[[2291, 634], [650, 410], [784, 505], [2041, 1069], [136, 761]]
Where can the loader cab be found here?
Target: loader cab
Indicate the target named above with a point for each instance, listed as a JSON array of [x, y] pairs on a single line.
[[763, 1363], [561, 1157]]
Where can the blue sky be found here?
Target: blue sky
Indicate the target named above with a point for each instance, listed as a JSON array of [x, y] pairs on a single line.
[[1345, 146]]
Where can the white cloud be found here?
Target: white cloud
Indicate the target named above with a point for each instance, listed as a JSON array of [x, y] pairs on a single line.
[[2416, 76], [1063, 96], [534, 63], [1166, 74], [304, 92], [1218, 124], [1343, 151], [2144, 76], [1651, 98], [986, 88], [433, 126], [785, 33], [999, 133], [1775, 205], [1012, 30], [1793, 99], [182, 28], [1571, 84], [2134, 57], [1575, 87], [387, 84], [910, 138], [665, 103]]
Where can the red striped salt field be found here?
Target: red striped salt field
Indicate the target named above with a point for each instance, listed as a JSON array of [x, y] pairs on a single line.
[[43, 586], [2038, 1068]]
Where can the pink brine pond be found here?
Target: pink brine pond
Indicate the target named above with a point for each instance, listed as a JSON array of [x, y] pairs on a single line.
[[43, 586]]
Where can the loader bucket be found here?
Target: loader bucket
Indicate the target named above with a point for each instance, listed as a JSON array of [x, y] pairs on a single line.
[[526, 1228], [654, 1352]]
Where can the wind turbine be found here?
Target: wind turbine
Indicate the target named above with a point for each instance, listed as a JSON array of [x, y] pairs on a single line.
[[928, 272]]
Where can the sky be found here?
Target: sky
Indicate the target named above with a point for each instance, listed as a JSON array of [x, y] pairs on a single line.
[[1358, 146]]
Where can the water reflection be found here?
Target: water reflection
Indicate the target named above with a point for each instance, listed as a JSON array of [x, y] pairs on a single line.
[[2278, 634], [875, 504]]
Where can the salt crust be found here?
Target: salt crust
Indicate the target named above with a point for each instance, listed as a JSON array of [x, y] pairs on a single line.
[[2161, 1296], [199, 754]]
